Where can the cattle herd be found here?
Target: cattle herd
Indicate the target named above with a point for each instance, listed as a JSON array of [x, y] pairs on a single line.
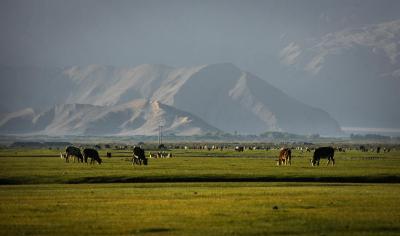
[[74, 154], [285, 156], [90, 155]]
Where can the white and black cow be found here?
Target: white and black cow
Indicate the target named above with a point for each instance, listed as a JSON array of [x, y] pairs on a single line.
[[138, 156]]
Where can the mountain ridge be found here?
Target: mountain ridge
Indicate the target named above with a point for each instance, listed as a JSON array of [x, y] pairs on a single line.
[[138, 117], [221, 95]]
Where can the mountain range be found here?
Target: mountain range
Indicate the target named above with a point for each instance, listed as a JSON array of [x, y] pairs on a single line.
[[138, 117], [107, 100]]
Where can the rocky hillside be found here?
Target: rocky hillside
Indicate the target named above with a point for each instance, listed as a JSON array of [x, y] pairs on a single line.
[[138, 117]]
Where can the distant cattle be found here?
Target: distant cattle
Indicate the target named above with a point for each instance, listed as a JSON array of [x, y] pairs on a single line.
[[363, 148], [64, 156], [152, 155], [168, 155], [285, 156], [138, 156], [92, 154], [160, 155], [323, 152], [239, 148], [340, 149], [73, 152], [108, 154], [164, 154]]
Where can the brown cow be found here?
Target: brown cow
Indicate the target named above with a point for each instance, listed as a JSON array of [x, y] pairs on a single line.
[[285, 156]]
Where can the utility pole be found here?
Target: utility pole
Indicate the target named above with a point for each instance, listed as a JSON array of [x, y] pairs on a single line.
[[160, 134]]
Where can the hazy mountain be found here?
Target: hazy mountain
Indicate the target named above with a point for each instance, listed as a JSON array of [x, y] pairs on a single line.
[[353, 73], [138, 117], [107, 85], [220, 94]]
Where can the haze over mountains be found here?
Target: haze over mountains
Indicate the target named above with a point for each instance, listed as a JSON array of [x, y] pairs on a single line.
[[338, 56], [133, 101], [354, 73]]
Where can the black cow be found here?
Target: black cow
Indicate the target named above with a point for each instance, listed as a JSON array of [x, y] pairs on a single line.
[[323, 152], [109, 154], [138, 156], [73, 152], [92, 154], [363, 148], [239, 148]]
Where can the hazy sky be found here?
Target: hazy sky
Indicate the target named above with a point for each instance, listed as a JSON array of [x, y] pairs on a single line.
[[247, 33], [250, 34]]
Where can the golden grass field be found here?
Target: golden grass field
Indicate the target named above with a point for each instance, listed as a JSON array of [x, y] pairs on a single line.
[[199, 193]]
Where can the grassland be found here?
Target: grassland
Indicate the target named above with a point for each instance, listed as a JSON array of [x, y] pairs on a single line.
[[199, 193]]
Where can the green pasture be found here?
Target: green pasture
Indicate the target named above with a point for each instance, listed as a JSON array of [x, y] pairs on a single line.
[[200, 209], [45, 166], [199, 192]]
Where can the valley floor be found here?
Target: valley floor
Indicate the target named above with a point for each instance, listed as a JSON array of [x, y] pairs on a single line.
[[199, 193], [200, 209]]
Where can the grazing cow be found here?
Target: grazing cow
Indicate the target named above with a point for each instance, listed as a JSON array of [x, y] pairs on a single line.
[[323, 152], [378, 149], [92, 154], [285, 156], [73, 152], [138, 156], [239, 148], [109, 154]]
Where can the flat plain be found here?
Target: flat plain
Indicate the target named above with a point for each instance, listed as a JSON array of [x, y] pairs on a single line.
[[199, 192]]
